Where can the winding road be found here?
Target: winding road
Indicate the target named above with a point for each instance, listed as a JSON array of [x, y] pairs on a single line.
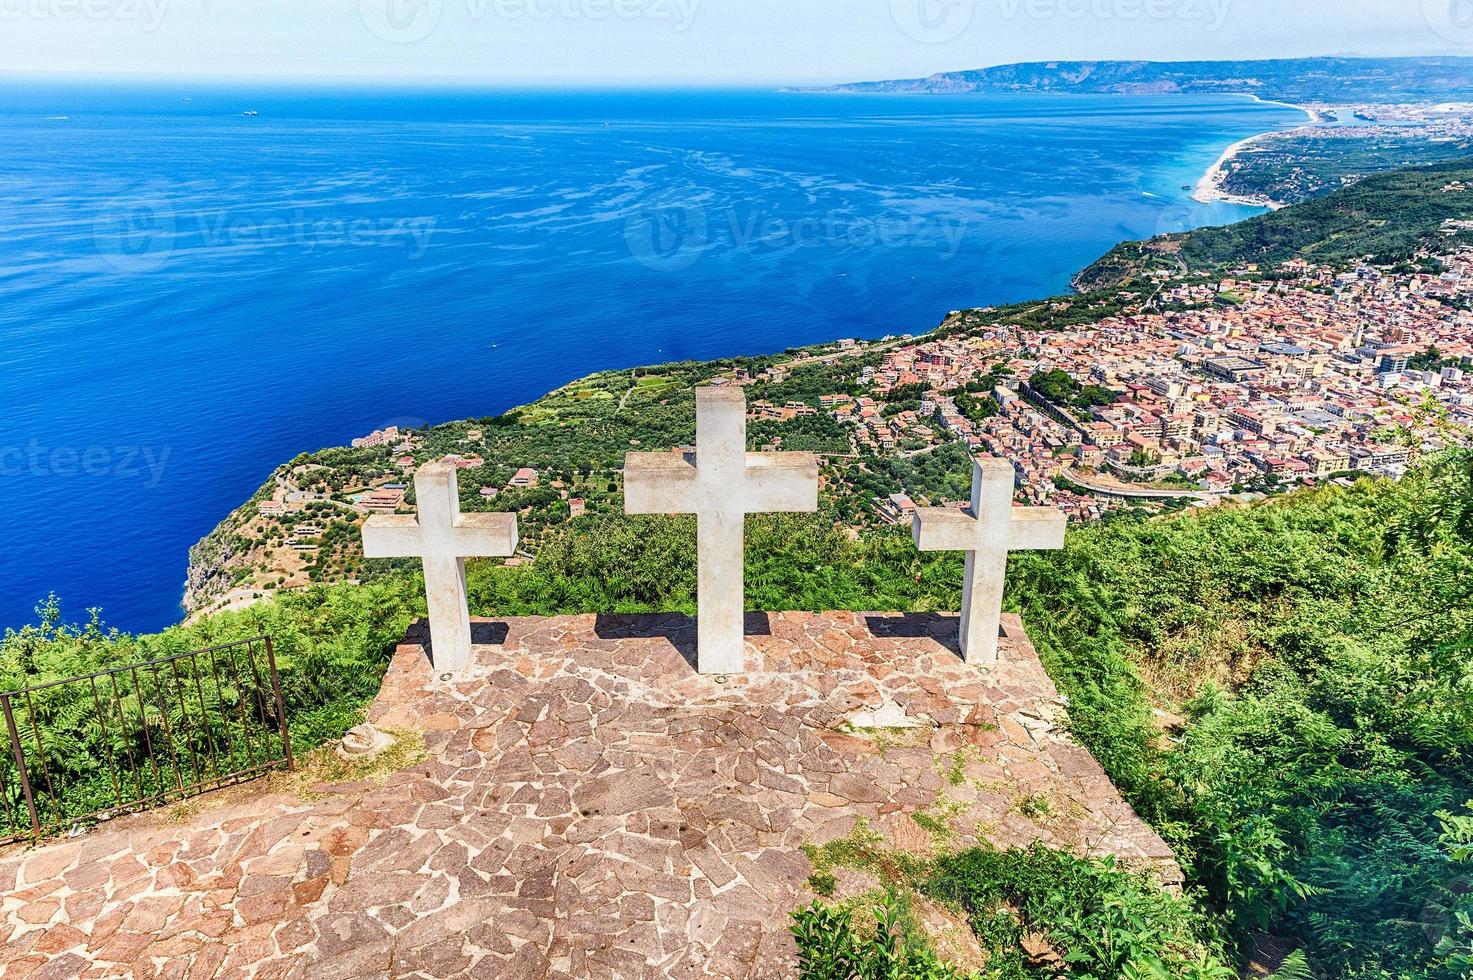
[[1110, 487]]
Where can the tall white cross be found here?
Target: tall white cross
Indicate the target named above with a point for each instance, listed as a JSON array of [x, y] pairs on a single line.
[[721, 485], [987, 531], [444, 538]]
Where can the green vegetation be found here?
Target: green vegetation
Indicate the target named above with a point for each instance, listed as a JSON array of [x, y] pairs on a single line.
[[331, 648], [1099, 919], [1320, 647], [807, 433], [1033, 912], [1389, 218], [942, 474], [832, 947], [1320, 791], [1057, 313], [1059, 388], [1431, 359]]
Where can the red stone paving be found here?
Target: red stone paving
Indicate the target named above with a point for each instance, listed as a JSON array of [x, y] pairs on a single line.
[[590, 807]]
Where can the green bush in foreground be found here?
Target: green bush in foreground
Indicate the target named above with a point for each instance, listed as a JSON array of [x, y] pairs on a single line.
[[832, 947], [1033, 912], [1322, 647]]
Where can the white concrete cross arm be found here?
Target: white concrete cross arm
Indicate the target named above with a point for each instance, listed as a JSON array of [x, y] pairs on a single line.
[[475, 536], [987, 531], [721, 476], [721, 484], [773, 483], [948, 529], [660, 483], [442, 538]]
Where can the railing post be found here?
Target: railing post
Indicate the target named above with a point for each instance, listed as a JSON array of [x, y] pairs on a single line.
[[20, 765], [286, 738]]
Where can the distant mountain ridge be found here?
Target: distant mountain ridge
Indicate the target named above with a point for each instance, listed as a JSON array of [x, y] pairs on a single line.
[[1289, 80]]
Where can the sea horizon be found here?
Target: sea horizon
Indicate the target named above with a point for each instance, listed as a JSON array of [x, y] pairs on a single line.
[[397, 258]]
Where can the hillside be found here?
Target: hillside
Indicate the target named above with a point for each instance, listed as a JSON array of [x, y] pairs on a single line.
[[1386, 218], [1290, 80], [301, 526]]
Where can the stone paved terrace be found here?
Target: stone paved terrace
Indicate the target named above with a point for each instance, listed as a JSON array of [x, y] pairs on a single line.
[[589, 807]]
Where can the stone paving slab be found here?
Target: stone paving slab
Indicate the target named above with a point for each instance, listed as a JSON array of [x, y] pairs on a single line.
[[590, 807]]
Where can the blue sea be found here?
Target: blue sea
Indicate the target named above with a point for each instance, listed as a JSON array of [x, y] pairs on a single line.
[[198, 283]]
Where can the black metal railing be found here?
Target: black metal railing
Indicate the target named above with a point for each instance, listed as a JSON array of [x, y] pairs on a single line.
[[98, 745]]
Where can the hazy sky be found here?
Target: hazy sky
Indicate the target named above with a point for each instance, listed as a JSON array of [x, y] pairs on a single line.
[[712, 41]]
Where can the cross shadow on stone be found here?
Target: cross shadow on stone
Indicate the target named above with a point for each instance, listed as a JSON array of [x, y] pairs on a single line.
[[488, 634], [483, 633], [677, 629], [944, 629], [756, 624]]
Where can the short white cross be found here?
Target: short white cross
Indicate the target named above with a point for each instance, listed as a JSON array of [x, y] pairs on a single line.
[[443, 537], [987, 531], [721, 485]]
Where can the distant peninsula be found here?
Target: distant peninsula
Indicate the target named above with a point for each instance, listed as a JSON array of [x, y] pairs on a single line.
[[1406, 112], [1288, 80]]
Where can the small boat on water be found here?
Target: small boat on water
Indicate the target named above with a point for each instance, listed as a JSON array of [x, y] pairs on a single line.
[[250, 112]]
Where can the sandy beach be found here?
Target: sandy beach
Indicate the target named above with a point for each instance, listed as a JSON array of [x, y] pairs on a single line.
[[1210, 188]]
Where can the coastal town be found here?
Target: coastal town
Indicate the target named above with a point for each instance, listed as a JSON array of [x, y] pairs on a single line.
[[1240, 386]]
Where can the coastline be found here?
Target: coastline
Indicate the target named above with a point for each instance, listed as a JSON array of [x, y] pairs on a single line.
[[1209, 189]]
